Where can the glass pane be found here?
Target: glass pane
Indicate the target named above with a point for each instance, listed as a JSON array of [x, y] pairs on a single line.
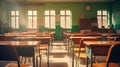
[[99, 21], [104, 12], [12, 12], [35, 12], [52, 12], [98, 12], [52, 22], [47, 22], [62, 12], [68, 12], [30, 19], [68, 22], [29, 22], [46, 12], [17, 12], [62, 22], [105, 21], [17, 22], [13, 22], [35, 22], [29, 12]]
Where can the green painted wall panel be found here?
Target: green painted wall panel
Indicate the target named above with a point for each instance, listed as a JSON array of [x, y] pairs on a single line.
[[116, 15], [77, 8]]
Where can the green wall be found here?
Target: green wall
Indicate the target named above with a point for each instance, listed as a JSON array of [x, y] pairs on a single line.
[[116, 15], [77, 9]]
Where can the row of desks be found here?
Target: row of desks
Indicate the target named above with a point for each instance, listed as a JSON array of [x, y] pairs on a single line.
[[24, 42], [91, 46]]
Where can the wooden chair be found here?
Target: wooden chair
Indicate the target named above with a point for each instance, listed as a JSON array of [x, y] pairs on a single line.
[[27, 52], [9, 53], [42, 46], [81, 54], [112, 58]]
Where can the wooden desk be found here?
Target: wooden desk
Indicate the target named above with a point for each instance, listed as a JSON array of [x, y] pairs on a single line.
[[92, 47], [79, 37], [43, 38], [24, 48]]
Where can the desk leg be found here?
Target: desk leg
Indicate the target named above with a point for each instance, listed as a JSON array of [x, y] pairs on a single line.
[[34, 61], [89, 56], [68, 47], [91, 59], [48, 54], [87, 62], [34, 57], [72, 54]]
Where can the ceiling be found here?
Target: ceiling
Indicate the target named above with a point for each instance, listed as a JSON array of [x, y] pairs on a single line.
[[60, 0]]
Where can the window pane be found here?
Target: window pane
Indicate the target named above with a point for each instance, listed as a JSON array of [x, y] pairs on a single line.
[[68, 12], [35, 22], [104, 12], [13, 22], [12, 12], [52, 12], [29, 12], [62, 12], [29, 22], [46, 12], [105, 19], [105, 22], [17, 22], [47, 22], [34, 12], [52, 22], [99, 21], [68, 22], [99, 13], [17, 12], [62, 21]]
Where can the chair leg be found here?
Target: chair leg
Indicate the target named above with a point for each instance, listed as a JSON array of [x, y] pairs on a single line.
[[38, 60], [21, 59], [25, 60]]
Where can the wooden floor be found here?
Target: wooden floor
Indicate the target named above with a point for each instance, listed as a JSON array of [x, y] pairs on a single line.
[[59, 56]]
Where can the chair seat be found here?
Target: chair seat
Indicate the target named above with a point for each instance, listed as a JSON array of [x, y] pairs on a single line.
[[82, 55], [43, 47], [104, 65], [16, 65], [37, 54], [77, 49]]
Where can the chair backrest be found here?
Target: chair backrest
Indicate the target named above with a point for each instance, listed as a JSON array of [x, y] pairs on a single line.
[[8, 53], [117, 39], [86, 39], [113, 54], [22, 51]]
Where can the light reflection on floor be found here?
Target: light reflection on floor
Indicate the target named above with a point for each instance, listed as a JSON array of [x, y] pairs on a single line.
[[59, 57]]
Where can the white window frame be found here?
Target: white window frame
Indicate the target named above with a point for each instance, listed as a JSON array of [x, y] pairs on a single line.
[[102, 17], [66, 19], [50, 19], [32, 19], [14, 19]]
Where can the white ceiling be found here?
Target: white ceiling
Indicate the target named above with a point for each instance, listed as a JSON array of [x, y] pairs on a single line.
[[61, 0]]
